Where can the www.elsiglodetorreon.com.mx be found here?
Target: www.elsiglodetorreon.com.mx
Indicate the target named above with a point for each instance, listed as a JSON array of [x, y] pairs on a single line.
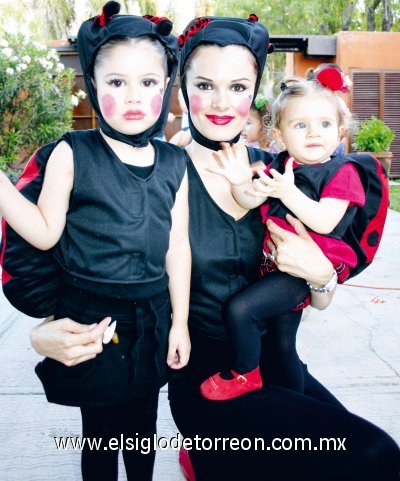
[[147, 444]]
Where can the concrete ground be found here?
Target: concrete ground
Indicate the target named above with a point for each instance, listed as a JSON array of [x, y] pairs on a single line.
[[352, 347]]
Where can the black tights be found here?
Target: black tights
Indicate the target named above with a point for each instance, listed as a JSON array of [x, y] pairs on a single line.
[[264, 306], [134, 419], [271, 413]]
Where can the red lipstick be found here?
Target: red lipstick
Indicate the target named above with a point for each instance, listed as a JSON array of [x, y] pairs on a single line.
[[220, 119], [134, 115]]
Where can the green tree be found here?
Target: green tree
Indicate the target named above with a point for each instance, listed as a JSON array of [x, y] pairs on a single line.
[[95, 6], [148, 7], [314, 16], [381, 14], [203, 8], [56, 17], [43, 19], [35, 97]]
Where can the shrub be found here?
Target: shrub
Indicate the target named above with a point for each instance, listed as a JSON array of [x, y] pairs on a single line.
[[35, 98], [374, 136]]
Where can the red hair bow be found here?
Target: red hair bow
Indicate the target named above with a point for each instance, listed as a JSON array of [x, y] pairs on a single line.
[[333, 79]]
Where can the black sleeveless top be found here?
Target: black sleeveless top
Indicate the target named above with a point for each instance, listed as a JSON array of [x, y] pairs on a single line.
[[118, 223], [226, 253], [311, 179]]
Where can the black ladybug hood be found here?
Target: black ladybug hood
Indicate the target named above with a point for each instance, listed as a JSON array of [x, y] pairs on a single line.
[[97, 31], [223, 31]]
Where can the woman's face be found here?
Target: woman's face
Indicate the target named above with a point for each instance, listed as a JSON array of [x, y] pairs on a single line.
[[220, 86]]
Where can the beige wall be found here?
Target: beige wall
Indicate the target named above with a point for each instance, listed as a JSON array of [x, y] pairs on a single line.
[[367, 50], [354, 50]]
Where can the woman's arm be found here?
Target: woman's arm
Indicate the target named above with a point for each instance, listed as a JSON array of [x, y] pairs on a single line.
[[300, 256], [68, 341], [41, 225], [178, 266]]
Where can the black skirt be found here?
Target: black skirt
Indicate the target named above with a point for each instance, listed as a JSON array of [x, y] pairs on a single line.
[[133, 367]]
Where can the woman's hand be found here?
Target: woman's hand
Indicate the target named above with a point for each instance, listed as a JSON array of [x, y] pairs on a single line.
[[178, 346], [298, 254], [67, 341], [233, 164]]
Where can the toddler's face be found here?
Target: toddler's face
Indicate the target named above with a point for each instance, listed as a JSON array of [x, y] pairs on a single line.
[[220, 86], [253, 130], [309, 129], [130, 83]]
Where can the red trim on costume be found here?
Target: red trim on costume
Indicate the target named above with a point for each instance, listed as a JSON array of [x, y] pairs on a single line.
[[109, 9], [154, 19], [29, 174], [373, 233], [5, 276], [198, 25]]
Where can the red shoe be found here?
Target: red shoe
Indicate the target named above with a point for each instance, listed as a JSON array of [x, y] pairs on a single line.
[[217, 389], [186, 465]]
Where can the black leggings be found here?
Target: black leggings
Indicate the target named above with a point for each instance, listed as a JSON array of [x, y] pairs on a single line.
[[272, 413], [264, 306], [134, 419]]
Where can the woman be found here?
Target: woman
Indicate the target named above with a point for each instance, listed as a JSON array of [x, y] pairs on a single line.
[[221, 66], [226, 242]]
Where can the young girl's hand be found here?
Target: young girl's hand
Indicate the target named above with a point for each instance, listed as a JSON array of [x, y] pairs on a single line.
[[278, 186], [233, 165], [178, 347]]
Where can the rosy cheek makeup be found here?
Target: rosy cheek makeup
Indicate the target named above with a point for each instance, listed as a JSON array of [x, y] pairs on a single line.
[[243, 108], [195, 104], [156, 104], [108, 105]]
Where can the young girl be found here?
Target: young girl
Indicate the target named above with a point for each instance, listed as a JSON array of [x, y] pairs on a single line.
[[114, 206], [324, 194], [253, 135]]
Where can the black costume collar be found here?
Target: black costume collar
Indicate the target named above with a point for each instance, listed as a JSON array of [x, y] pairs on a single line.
[[223, 31], [97, 31]]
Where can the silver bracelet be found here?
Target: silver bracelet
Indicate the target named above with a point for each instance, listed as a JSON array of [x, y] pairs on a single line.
[[328, 287]]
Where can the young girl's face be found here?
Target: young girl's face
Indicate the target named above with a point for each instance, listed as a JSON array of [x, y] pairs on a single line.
[[309, 128], [130, 82], [220, 86], [252, 131]]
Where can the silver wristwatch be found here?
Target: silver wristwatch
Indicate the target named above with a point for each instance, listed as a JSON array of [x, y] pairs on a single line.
[[328, 287]]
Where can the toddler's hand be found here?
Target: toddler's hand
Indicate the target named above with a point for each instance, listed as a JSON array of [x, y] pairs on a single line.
[[178, 347], [279, 185]]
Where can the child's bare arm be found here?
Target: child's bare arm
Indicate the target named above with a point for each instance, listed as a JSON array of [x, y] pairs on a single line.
[[178, 266], [322, 217], [41, 225]]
